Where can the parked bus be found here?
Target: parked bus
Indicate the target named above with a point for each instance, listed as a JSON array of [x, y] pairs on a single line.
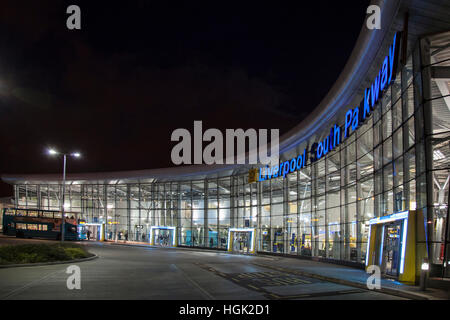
[[31, 223]]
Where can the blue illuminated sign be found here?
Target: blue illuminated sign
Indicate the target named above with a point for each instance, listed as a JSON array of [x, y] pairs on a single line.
[[354, 118], [283, 168]]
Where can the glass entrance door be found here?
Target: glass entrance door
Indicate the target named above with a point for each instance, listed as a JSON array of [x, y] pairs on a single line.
[[391, 248], [241, 242], [92, 232], [163, 237]]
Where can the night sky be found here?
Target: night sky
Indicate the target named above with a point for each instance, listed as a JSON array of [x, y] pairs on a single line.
[[137, 70]]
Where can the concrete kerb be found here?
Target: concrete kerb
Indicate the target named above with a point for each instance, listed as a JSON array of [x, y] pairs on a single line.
[[171, 248], [47, 263], [221, 251]]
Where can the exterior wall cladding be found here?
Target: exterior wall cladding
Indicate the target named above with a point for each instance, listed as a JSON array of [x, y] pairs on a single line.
[[397, 160]]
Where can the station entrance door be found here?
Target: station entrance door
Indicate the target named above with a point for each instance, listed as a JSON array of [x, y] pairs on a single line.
[[163, 236], [396, 243], [391, 248], [241, 240], [94, 231]]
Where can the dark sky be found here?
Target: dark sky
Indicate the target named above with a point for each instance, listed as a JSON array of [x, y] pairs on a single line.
[[137, 70]]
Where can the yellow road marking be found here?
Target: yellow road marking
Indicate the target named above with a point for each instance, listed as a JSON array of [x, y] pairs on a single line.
[[254, 287]]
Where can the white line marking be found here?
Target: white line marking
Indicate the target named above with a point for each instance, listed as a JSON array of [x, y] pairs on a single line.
[[29, 285], [205, 293]]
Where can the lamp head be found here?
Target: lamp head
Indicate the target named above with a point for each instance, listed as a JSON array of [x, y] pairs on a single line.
[[52, 152]]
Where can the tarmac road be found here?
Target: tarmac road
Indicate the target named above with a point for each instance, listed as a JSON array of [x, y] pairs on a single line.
[[131, 272]]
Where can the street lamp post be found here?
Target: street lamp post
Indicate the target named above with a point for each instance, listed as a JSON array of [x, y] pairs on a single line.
[[63, 226], [76, 155]]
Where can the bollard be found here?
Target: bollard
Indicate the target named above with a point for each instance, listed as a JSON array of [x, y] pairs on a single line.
[[424, 274]]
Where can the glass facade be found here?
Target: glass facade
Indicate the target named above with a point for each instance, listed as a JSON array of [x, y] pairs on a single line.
[[397, 160]]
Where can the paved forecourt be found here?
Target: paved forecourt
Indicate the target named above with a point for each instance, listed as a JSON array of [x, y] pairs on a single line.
[[133, 272]]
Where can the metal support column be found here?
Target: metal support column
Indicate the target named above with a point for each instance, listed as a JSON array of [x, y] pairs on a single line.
[[205, 214], [428, 127], [128, 210]]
